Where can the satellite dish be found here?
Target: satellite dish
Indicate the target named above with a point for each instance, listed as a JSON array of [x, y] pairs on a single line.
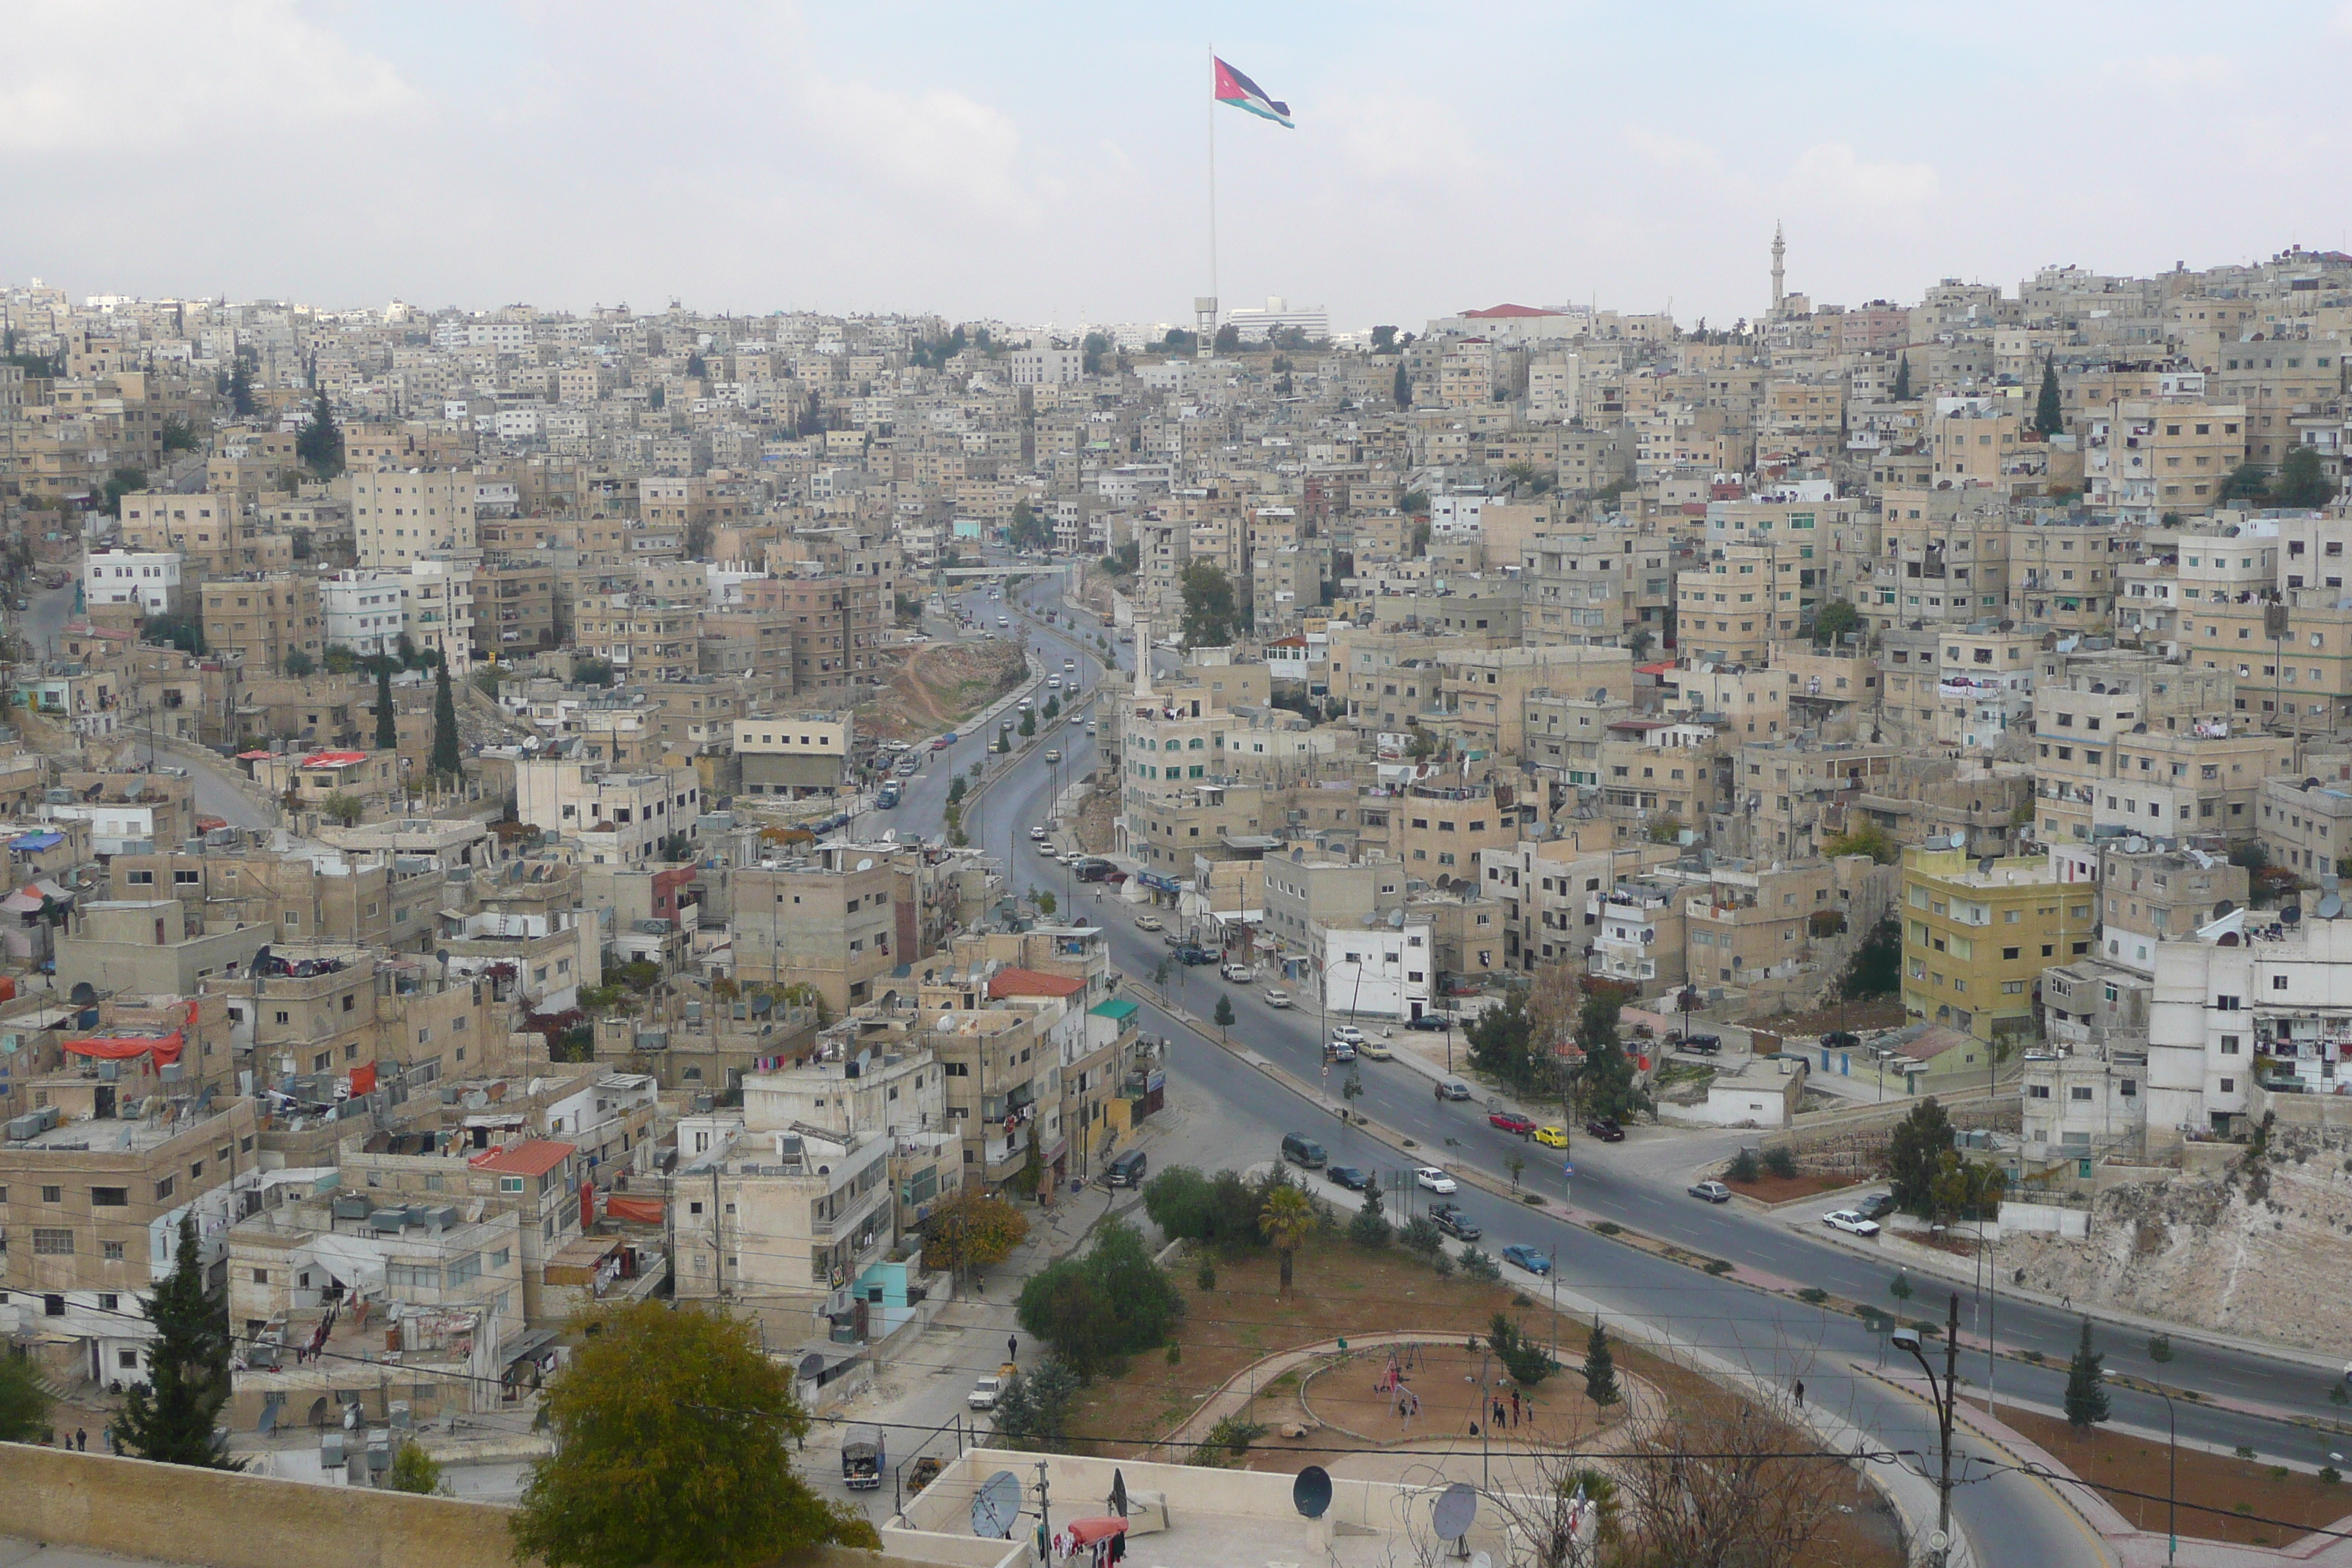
[[866, 864], [1118, 1503], [2222, 906], [1457, 1505], [1310, 1494], [2227, 939], [2290, 915], [996, 1507], [2329, 906]]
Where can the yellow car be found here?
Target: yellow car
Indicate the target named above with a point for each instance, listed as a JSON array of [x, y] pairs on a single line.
[[1551, 1137]]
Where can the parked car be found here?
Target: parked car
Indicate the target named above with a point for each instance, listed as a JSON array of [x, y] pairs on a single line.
[[1429, 1179], [1126, 1170], [1239, 973], [1430, 1021], [1376, 1050], [1453, 1222], [1303, 1151], [1705, 1045], [985, 1393], [1850, 1222], [1147, 922], [1510, 1121], [1276, 996], [1605, 1128], [1878, 1205], [1453, 1089], [1350, 1177], [1551, 1137], [1195, 956], [1713, 1192], [1173, 938], [1841, 1040], [1348, 1032], [1527, 1257]]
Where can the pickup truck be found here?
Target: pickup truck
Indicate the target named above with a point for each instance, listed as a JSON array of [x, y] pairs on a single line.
[[861, 1463], [1453, 1222], [985, 1393]]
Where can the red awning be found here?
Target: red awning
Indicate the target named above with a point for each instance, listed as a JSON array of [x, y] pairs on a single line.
[[1086, 1532], [638, 1211], [115, 1047]]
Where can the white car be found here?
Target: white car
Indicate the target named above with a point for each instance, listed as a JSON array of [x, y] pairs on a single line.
[[1850, 1223], [1428, 1178], [1276, 996], [985, 1393], [1147, 922], [1349, 1032], [1037, 832]]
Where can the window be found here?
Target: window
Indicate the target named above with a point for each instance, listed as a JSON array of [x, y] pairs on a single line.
[[261, 1277], [2278, 982], [110, 1197], [53, 1194], [2225, 1004], [2079, 1091], [49, 1242], [114, 1250], [2037, 1091], [514, 1185], [165, 1188]]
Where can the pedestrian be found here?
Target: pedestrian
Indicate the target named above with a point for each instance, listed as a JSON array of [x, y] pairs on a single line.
[[1013, 1347], [1801, 1391], [81, 1440], [1515, 1408]]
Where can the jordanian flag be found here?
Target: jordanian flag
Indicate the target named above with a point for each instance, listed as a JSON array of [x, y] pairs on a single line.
[[1242, 93]]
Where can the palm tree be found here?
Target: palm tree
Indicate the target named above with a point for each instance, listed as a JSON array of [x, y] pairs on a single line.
[[1287, 1220]]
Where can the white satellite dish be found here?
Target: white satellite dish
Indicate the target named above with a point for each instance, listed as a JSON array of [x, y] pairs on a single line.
[[866, 864]]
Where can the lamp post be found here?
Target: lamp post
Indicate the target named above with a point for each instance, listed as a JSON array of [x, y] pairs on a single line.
[[1942, 1395], [2171, 1478]]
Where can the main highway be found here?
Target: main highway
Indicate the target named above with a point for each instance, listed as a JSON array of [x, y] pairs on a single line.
[[2011, 1518]]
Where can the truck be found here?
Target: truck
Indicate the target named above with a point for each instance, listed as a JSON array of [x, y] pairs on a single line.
[[862, 1462]]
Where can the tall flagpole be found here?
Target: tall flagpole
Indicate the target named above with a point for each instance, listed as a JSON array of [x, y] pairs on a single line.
[[1204, 310]]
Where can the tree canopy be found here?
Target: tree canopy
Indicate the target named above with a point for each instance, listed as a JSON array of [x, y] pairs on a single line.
[[1099, 1307], [1210, 619], [320, 443], [2049, 415], [448, 761], [1915, 1156], [972, 1230], [674, 1440], [171, 1418], [1876, 967], [1835, 620], [2086, 1384], [1864, 838]]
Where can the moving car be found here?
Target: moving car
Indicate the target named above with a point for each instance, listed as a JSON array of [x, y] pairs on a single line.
[[1037, 832], [1510, 1121], [1348, 1032], [1147, 922], [1453, 1089], [861, 1463], [1376, 1050], [1276, 996], [1302, 1151], [1852, 1223], [1126, 1170], [1340, 1051], [1053, 756], [1350, 1177], [941, 742], [1053, 683], [1552, 1137], [1428, 1178], [1430, 1021], [985, 1393], [1605, 1128], [1527, 1257], [1194, 955], [1705, 1045], [887, 798], [1713, 1192], [1453, 1222], [1240, 973]]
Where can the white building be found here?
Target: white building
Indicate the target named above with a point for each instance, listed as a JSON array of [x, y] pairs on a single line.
[[365, 611], [617, 818], [147, 578], [2245, 986], [1045, 366], [1379, 974]]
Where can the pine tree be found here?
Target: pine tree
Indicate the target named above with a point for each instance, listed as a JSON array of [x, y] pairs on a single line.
[[1903, 380], [387, 731], [1403, 389], [321, 444], [1370, 1228], [447, 762], [1600, 1367], [2048, 417], [171, 1419], [2086, 1386]]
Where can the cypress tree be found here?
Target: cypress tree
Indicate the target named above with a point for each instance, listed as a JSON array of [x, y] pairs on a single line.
[[387, 731], [1903, 380], [1404, 388], [2048, 417], [171, 1419], [447, 762], [1600, 1367], [2086, 1386]]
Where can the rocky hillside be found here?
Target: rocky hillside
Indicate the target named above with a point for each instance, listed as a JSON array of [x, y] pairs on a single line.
[[2262, 1249]]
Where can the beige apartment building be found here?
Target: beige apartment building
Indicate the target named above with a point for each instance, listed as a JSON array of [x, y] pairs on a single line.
[[258, 620], [403, 515], [826, 924], [2143, 458]]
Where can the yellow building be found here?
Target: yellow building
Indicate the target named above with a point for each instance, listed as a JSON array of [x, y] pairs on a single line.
[[1978, 933]]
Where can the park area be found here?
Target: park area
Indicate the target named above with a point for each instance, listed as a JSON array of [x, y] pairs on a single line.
[[2221, 1497]]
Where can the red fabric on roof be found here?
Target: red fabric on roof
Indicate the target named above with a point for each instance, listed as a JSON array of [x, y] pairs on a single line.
[[116, 1048], [333, 759], [532, 1157], [1086, 1532], [1032, 983], [638, 1211]]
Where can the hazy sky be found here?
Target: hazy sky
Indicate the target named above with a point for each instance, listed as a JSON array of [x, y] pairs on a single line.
[[1049, 162]]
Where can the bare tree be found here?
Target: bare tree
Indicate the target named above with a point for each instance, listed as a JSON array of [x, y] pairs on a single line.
[[1715, 1484]]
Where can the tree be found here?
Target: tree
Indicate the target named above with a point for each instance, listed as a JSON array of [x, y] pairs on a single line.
[[23, 1402], [1035, 1409], [970, 1230], [2048, 416], [387, 723], [1833, 620], [183, 632], [179, 436], [1028, 531], [1525, 1360], [1722, 1480], [1502, 1042], [1228, 339], [1032, 1180], [1608, 1074], [1028, 724], [1048, 904], [1384, 339], [1876, 968], [1915, 1155], [320, 443], [171, 1418], [343, 810], [1224, 1014], [120, 483], [674, 1435], [1400, 389], [1289, 1219], [2246, 483], [2086, 1384], [591, 672], [1096, 1309], [240, 387], [1903, 380], [447, 762], [415, 1470], [1600, 1367], [1864, 838], [1370, 1228], [957, 788], [1420, 1236], [1208, 606], [300, 664], [1094, 346], [2302, 481]]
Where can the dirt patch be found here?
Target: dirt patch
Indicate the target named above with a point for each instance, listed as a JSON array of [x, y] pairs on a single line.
[[1097, 820], [2212, 1482], [1767, 1188], [940, 686], [1436, 1390], [1853, 1017]]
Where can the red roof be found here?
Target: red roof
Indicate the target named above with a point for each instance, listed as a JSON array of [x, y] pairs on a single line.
[[1664, 668], [1032, 983], [1505, 313], [532, 1157], [333, 759]]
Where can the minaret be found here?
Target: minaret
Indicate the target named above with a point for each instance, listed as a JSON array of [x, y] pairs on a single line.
[[1779, 249], [1143, 656]]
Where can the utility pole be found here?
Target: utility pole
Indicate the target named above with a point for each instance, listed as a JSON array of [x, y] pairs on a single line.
[[1943, 1398]]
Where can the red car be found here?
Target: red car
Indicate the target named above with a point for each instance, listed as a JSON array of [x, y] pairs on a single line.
[[1510, 1121]]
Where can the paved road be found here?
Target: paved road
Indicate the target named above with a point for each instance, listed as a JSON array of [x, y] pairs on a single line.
[[40, 625]]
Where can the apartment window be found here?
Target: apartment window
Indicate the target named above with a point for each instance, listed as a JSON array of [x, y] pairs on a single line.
[[112, 1250], [2079, 1091], [110, 1197], [2229, 1085], [52, 1242], [2228, 1044], [2278, 982], [2225, 1004], [261, 1277], [53, 1194], [2037, 1091]]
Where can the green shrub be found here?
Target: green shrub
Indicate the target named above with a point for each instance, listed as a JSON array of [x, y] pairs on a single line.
[[1207, 1278], [1480, 1265], [1609, 1227], [1744, 1167], [2330, 1474], [1717, 1267], [1812, 1294], [1781, 1163]]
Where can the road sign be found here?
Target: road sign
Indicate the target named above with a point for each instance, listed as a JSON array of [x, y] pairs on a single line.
[[1568, 1168]]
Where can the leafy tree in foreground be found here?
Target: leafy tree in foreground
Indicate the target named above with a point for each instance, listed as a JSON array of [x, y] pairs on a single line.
[[170, 1419], [1915, 1156], [415, 1470], [1600, 1367], [23, 1402], [674, 1439], [2086, 1384], [1096, 1309], [972, 1230]]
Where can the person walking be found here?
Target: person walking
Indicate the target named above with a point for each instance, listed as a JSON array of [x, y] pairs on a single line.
[[1013, 1347], [1515, 1408], [81, 1440]]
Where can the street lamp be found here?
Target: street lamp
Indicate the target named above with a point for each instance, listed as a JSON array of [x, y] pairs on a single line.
[[1943, 1396], [2171, 1478]]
